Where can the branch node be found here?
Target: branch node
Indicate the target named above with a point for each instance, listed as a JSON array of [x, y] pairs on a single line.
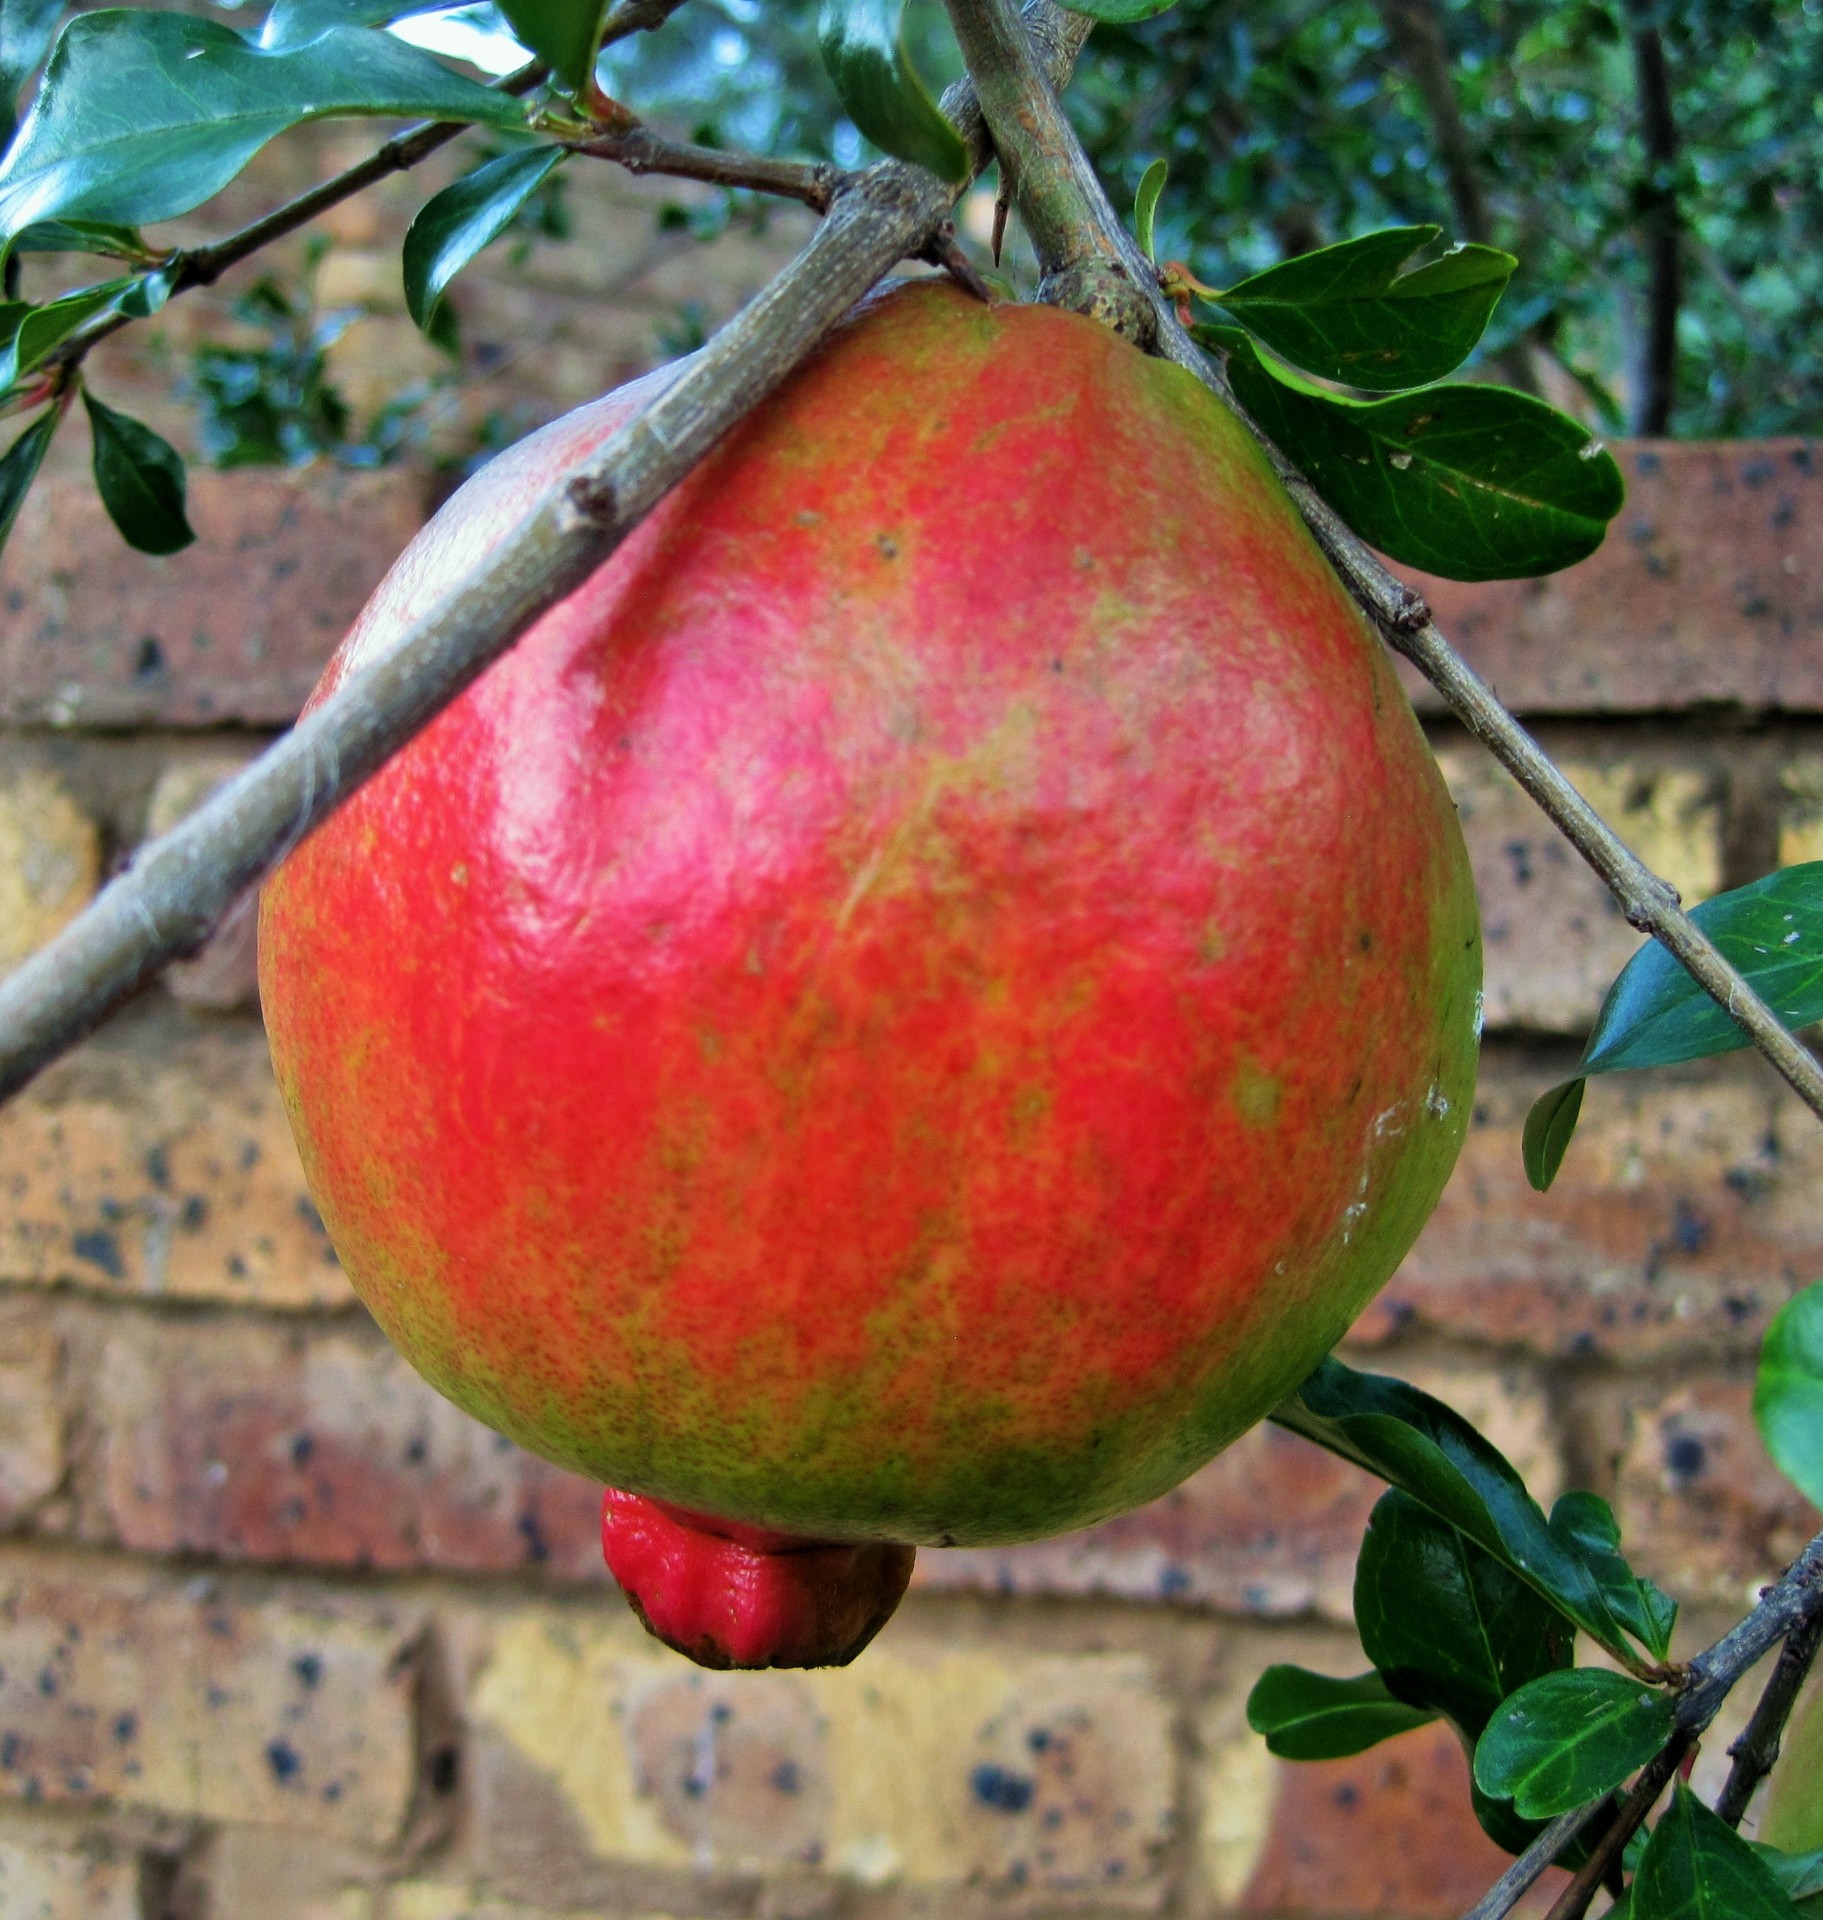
[[592, 499], [945, 251], [1104, 291]]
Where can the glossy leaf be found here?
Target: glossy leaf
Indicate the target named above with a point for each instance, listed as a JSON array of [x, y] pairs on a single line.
[[1800, 1875], [291, 23], [1122, 13], [41, 330], [82, 236], [140, 478], [1311, 1716], [1696, 1867], [1470, 482], [19, 466], [564, 34], [1145, 206], [1586, 1522], [1418, 1444], [1772, 929], [1348, 313], [1447, 1625], [1548, 1130], [1569, 1738], [454, 225], [864, 48], [26, 27], [144, 115], [1788, 1396]]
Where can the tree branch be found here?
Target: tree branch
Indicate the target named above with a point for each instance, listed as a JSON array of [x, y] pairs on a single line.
[[1653, 1779], [640, 150], [176, 889], [1758, 1746], [1660, 222]]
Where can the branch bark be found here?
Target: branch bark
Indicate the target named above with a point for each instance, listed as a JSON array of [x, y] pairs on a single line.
[[1758, 1746], [168, 901], [640, 150], [1660, 222]]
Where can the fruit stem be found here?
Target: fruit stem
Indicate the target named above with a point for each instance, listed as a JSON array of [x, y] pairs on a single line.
[[1091, 264]]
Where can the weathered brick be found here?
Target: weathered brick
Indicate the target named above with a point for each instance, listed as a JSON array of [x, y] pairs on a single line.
[[156, 1160], [1270, 1527], [91, 1882], [453, 1900], [592, 1751], [223, 977], [1701, 1505], [1708, 590], [234, 628], [115, 1688], [50, 862], [1801, 810], [1554, 939], [254, 1441], [1683, 1217], [32, 1412], [271, 1873]]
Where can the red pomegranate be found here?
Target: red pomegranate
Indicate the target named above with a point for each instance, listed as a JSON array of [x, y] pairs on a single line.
[[916, 1004]]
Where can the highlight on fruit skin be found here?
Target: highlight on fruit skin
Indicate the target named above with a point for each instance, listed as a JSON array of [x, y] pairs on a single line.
[[916, 1004]]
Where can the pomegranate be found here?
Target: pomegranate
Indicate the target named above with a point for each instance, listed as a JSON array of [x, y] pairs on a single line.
[[912, 1007]]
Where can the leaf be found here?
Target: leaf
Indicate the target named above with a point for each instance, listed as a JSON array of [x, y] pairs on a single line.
[[864, 48], [41, 330], [1470, 482], [1418, 1444], [291, 23], [1447, 1625], [1788, 1396], [1347, 312], [1548, 1130], [26, 27], [1569, 1738], [1696, 1867], [1122, 13], [1586, 1522], [140, 478], [454, 225], [1310, 1716], [82, 236], [1772, 929], [1145, 205], [564, 34], [19, 467], [144, 115], [1800, 1875]]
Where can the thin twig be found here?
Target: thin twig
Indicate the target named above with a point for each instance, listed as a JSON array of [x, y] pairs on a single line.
[[1513, 1885], [1660, 222], [1758, 1746], [1416, 31], [1653, 1779], [640, 150], [177, 888]]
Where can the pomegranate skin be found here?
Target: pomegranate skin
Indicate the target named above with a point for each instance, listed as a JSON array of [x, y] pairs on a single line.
[[732, 1596], [920, 1000]]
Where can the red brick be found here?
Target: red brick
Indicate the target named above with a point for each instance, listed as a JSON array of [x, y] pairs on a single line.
[[234, 628], [116, 1688], [1708, 589], [1701, 1505], [257, 1442], [1683, 1218]]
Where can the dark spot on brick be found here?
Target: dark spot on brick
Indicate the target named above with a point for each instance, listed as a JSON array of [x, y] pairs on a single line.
[[1346, 1795], [283, 1759], [195, 1212], [788, 1777], [308, 1214], [1173, 1581], [1001, 1789], [249, 1155], [101, 1249], [158, 1167], [537, 1547], [149, 660], [237, 1266], [1689, 1228], [333, 1792], [47, 1683], [309, 1669], [1051, 1819], [126, 1727], [1785, 512], [417, 1450], [303, 1445], [1685, 1455], [1757, 471], [1016, 1873], [1647, 462], [443, 1770], [9, 1751], [1038, 1739]]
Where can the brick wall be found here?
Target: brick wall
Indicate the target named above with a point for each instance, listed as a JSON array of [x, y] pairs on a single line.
[[285, 1637]]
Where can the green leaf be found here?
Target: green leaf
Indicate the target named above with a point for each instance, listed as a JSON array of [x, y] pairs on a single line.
[[1470, 482], [564, 34], [1548, 1129], [41, 330], [82, 236], [454, 225], [292, 22], [864, 48], [1772, 929], [1145, 206], [140, 478], [26, 27], [19, 467], [144, 115], [1310, 1716], [1447, 1625], [1122, 13], [1586, 1522], [1800, 1875], [1417, 1443], [1788, 1396], [1696, 1867], [1348, 313], [1569, 1738]]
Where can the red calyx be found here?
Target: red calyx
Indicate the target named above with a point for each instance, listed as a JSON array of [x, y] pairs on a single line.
[[726, 1595]]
